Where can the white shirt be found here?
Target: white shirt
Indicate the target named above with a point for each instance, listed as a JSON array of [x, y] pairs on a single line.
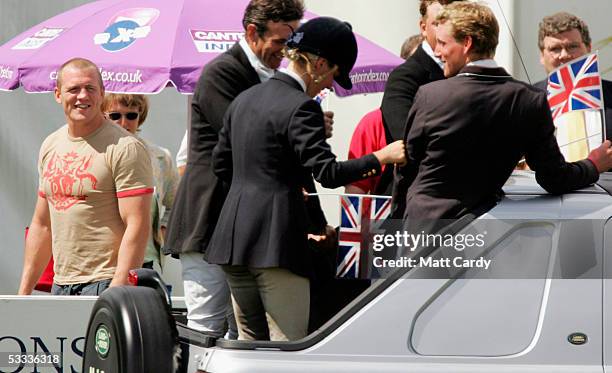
[[295, 76], [181, 156], [427, 48], [489, 63], [263, 71]]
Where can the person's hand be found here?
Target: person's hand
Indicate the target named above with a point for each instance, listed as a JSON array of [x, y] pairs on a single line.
[[330, 232], [327, 235], [305, 194], [602, 156], [119, 281], [328, 117], [316, 237], [392, 153]]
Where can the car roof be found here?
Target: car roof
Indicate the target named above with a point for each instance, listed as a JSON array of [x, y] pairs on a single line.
[[524, 183]]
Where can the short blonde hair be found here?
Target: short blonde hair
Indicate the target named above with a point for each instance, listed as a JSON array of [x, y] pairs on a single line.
[[80, 64], [140, 102], [474, 20]]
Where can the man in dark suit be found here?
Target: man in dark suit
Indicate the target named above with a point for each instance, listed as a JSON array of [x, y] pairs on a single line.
[[200, 196], [421, 68], [563, 37], [462, 149]]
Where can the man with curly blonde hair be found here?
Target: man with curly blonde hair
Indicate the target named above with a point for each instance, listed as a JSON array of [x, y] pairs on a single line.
[[488, 120]]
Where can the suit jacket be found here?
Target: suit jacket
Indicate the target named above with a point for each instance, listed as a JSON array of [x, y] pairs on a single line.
[[200, 194], [401, 87], [461, 150], [273, 135], [606, 86]]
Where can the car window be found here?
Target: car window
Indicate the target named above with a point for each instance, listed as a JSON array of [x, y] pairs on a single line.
[[493, 312]]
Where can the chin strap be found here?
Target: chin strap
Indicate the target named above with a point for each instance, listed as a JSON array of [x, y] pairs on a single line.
[[320, 78]]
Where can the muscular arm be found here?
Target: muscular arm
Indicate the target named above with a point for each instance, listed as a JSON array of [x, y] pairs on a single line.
[[37, 248], [171, 180], [135, 212]]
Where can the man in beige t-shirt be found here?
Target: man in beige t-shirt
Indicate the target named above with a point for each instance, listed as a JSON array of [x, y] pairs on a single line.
[[95, 186]]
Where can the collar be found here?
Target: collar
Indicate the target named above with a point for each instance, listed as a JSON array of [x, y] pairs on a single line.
[[427, 49], [484, 71], [263, 71], [489, 63], [287, 79], [295, 76]]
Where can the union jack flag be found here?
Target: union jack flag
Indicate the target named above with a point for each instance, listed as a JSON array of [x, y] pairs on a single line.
[[321, 96], [575, 86], [360, 216]]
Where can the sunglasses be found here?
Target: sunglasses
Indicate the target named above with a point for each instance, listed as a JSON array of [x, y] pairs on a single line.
[[129, 116]]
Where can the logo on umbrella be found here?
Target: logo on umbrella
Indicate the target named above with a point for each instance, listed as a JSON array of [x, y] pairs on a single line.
[[125, 28], [207, 41], [39, 39]]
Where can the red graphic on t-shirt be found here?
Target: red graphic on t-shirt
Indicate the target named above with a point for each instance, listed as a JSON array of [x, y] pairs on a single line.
[[67, 176]]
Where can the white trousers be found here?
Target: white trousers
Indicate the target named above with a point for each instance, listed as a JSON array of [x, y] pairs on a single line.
[[207, 296]]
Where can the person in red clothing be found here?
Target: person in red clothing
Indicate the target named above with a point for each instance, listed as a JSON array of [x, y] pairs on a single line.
[[368, 137]]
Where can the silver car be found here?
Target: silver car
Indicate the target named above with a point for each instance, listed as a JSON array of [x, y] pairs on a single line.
[[541, 305]]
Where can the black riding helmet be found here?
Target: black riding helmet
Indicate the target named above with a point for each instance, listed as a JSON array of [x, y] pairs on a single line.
[[331, 39]]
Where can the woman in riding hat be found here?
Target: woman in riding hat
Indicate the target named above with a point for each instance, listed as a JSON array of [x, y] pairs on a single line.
[[273, 139]]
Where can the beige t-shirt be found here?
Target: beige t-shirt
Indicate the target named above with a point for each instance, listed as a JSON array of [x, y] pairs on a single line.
[[82, 179]]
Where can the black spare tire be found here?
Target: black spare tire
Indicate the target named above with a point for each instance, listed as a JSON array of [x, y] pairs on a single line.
[[129, 331]]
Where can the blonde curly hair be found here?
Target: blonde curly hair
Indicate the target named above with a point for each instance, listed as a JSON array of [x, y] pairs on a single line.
[[474, 20]]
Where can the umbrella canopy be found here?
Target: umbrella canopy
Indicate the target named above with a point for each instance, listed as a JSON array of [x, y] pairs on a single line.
[[142, 46]]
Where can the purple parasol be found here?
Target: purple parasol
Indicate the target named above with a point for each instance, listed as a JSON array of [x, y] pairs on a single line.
[[142, 46]]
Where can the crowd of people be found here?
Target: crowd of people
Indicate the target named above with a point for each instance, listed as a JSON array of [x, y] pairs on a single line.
[[240, 220]]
